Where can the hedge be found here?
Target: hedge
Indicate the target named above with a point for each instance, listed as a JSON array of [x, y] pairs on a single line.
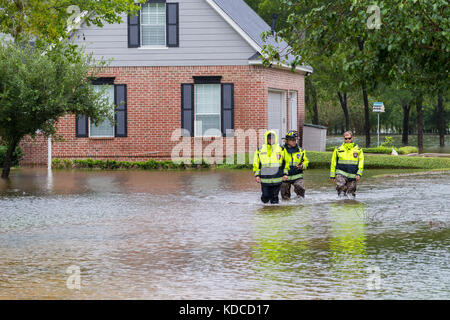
[[386, 150], [317, 160], [113, 164]]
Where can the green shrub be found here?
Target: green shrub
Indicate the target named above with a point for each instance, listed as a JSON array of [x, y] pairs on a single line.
[[67, 163], [407, 150], [380, 149], [57, 164], [17, 155], [317, 160], [388, 142], [323, 160]]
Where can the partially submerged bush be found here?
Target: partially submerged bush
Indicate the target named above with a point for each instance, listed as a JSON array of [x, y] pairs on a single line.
[[113, 164], [407, 150]]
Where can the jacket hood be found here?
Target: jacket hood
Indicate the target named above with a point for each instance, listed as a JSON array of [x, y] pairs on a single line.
[[267, 134]]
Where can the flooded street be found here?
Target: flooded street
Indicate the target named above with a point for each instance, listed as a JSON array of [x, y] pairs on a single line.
[[206, 235]]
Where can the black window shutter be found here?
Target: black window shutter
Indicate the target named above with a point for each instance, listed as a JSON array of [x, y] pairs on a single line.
[[81, 127], [227, 110], [120, 100], [134, 30], [172, 23], [187, 108]]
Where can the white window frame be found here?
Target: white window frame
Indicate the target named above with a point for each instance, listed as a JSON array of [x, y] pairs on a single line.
[[89, 121], [220, 114], [142, 33]]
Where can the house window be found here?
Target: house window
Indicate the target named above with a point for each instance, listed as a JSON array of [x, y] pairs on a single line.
[[105, 128], [207, 109], [153, 24]]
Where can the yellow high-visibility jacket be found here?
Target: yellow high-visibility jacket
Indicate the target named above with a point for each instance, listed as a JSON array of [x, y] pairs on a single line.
[[269, 162], [295, 156], [347, 160]]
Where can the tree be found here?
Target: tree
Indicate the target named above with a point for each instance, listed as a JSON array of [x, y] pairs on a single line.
[[47, 20], [410, 44], [441, 119], [311, 99], [38, 87], [45, 81], [332, 30]]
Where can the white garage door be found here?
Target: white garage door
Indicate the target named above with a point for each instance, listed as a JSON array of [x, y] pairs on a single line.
[[277, 113]]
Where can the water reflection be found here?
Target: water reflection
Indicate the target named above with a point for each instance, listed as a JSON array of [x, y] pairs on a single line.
[[282, 251], [348, 243]]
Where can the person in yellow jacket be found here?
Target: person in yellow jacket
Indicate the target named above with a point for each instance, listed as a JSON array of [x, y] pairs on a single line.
[[297, 160], [270, 168], [347, 165]]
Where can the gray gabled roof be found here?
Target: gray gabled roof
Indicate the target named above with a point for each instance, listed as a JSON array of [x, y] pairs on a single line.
[[252, 24]]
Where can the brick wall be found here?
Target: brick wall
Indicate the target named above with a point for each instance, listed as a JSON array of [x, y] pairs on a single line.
[[35, 150], [154, 111]]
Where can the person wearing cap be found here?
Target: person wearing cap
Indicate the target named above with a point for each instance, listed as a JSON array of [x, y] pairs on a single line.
[[297, 160], [347, 165], [270, 168]]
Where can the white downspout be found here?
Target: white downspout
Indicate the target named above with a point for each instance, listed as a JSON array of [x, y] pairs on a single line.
[[49, 158]]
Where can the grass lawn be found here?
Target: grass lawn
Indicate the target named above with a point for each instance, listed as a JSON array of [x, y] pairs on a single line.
[[323, 160]]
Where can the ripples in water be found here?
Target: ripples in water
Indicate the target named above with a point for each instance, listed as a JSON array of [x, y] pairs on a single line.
[[205, 235]]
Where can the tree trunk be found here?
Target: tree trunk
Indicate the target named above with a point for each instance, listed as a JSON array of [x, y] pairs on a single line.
[[366, 116], [419, 124], [315, 110], [343, 101], [441, 119], [366, 100], [406, 109], [311, 99], [8, 158]]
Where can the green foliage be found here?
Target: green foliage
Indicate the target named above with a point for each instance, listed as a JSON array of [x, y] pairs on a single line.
[[407, 150], [385, 150], [17, 155], [410, 50], [37, 88], [317, 160], [380, 149], [388, 142], [48, 20], [116, 165], [323, 160]]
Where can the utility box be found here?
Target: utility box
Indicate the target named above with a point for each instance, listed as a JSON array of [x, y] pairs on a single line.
[[314, 137]]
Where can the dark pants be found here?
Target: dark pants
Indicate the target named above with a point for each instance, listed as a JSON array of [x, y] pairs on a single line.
[[270, 193]]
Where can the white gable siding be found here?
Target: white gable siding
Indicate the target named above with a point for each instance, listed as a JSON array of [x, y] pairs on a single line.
[[205, 39]]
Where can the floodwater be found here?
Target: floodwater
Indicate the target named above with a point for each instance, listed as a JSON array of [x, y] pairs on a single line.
[[205, 235]]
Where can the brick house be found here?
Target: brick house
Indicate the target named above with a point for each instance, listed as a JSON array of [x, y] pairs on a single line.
[[179, 64]]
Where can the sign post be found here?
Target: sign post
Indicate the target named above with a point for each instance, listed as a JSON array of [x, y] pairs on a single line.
[[378, 107]]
